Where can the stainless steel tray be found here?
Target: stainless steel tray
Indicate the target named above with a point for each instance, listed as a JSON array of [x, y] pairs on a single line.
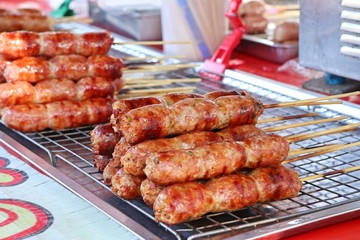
[[260, 46], [331, 199]]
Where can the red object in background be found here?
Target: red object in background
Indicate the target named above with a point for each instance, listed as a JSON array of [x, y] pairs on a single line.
[[220, 59], [15, 4], [348, 230]]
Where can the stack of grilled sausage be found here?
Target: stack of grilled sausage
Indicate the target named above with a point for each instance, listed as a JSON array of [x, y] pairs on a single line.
[[56, 80], [184, 154]]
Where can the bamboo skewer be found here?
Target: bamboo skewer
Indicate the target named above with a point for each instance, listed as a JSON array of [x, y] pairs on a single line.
[[71, 19], [323, 151], [286, 117], [138, 83], [321, 175], [304, 123], [154, 92], [300, 151], [151, 58], [300, 137], [146, 43], [306, 101], [160, 67]]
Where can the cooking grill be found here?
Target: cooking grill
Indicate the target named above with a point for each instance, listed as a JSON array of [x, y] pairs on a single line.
[[70, 151]]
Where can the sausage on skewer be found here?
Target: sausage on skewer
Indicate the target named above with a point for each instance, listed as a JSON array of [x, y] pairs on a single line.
[[187, 201], [133, 162], [149, 191], [188, 115], [123, 106], [134, 159], [30, 22], [14, 45], [103, 141], [212, 160], [125, 185], [56, 115], [21, 92], [74, 67]]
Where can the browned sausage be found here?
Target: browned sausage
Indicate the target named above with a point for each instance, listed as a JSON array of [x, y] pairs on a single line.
[[125, 185], [188, 115], [75, 67], [20, 44], [149, 191], [21, 92], [56, 115], [187, 201], [134, 159], [212, 160], [286, 31]]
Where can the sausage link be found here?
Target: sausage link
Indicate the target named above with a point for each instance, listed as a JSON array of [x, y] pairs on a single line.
[[103, 139], [114, 165], [125, 185], [75, 67], [135, 158], [149, 191], [188, 115], [57, 115], [187, 201], [19, 44], [212, 160], [29, 22], [21, 92]]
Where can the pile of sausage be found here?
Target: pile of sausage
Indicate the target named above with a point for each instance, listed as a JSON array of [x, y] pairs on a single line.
[[28, 19], [186, 154], [56, 80]]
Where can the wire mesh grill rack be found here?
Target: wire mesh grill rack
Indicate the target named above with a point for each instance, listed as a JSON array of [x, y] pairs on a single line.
[[73, 146]]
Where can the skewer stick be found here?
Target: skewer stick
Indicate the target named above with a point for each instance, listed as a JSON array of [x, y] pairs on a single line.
[[124, 96], [129, 80], [152, 42], [345, 170], [306, 101], [71, 19], [300, 151], [172, 67], [169, 66], [270, 129], [327, 150], [154, 92], [274, 119], [151, 58], [159, 90], [168, 80], [300, 137]]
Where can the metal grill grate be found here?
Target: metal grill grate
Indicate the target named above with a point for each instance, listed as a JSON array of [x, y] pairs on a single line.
[[73, 147]]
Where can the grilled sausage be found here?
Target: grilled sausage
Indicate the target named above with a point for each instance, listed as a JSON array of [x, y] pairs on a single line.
[[187, 201], [125, 185], [188, 115], [75, 67], [212, 160], [123, 106], [21, 92], [19, 44], [56, 115], [286, 31], [103, 139], [29, 22], [134, 159], [149, 191]]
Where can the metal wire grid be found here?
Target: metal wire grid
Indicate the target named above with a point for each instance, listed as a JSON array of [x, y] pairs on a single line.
[[73, 146]]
